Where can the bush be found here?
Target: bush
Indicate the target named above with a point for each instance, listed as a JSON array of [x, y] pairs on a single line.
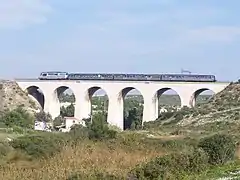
[[94, 175], [57, 122], [38, 145], [68, 111], [4, 149], [99, 129], [219, 147], [174, 166], [43, 117], [78, 132], [18, 117]]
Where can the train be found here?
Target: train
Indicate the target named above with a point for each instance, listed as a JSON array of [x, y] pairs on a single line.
[[57, 75]]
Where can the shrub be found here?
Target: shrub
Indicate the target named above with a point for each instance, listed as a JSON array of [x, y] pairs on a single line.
[[94, 175], [99, 129], [219, 147], [78, 132], [18, 117], [43, 117], [68, 111], [57, 122], [38, 145], [18, 130], [4, 149], [174, 166]]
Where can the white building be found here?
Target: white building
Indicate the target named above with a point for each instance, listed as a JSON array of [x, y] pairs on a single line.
[[40, 126], [70, 121]]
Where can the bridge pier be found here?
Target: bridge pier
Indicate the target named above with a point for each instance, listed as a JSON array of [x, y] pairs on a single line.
[[115, 94], [82, 105], [150, 107], [52, 105], [115, 111]]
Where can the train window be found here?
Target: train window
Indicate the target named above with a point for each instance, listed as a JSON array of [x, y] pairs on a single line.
[[53, 74]]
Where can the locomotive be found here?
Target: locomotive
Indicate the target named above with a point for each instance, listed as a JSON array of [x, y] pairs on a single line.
[[57, 75]]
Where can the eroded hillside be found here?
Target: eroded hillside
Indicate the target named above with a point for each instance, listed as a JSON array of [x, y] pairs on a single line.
[[12, 96], [224, 106]]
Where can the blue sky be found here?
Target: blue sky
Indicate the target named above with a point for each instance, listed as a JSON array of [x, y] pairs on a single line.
[[132, 36]]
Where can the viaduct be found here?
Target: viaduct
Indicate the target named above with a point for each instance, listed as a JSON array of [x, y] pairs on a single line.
[[116, 91]]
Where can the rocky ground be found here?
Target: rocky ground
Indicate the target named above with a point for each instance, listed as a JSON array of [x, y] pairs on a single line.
[[224, 106], [12, 96]]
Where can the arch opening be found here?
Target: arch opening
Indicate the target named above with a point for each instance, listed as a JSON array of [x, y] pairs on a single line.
[[132, 108], [168, 100], [201, 96], [37, 95], [65, 97], [98, 100]]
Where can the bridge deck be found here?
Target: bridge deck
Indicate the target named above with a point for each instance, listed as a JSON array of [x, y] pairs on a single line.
[[112, 81]]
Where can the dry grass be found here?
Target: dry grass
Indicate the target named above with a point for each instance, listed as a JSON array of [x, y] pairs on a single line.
[[85, 158]]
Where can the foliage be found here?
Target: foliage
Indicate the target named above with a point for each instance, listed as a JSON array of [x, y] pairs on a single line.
[[173, 166], [99, 129], [219, 147], [43, 117], [133, 113], [4, 149], [78, 132], [169, 118], [68, 111], [94, 175], [96, 128], [64, 97], [58, 121], [38, 145], [18, 117]]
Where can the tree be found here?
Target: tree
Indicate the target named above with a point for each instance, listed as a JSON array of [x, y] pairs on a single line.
[[133, 114], [68, 111], [99, 129], [58, 121], [43, 117], [63, 97]]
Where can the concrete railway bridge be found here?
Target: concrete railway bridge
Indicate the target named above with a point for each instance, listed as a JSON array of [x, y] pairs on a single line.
[[116, 91]]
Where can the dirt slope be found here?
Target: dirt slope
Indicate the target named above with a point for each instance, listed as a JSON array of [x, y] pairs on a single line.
[[224, 106], [12, 96]]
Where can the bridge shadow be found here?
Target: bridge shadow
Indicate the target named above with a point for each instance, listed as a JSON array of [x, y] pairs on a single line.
[[37, 93]]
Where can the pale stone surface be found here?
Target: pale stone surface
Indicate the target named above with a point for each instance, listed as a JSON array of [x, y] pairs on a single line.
[[116, 92]]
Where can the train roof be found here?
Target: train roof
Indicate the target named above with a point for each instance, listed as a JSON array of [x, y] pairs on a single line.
[[141, 74], [189, 74], [136, 74], [54, 72]]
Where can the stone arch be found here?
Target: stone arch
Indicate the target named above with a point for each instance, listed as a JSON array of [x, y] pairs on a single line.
[[65, 101], [97, 102], [137, 99], [194, 98], [167, 99], [37, 94]]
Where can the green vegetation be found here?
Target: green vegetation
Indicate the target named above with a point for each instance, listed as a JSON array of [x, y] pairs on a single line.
[[18, 117], [220, 148], [68, 111], [162, 149]]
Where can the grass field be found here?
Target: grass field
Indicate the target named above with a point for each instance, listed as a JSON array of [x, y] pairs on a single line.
[[109, 157]]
